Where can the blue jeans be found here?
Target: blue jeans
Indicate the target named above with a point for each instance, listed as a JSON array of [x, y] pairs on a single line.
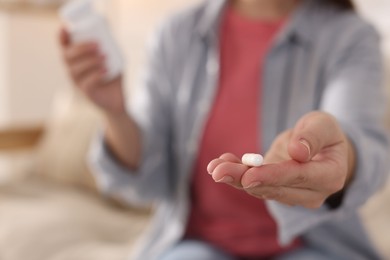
[[197, 250]]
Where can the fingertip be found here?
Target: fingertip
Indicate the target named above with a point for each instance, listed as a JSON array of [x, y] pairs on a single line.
[[230, 157], [210, 168], [313, 132], [226, 179], [299, 150], [305, 149], [213, 164], [233, 170]]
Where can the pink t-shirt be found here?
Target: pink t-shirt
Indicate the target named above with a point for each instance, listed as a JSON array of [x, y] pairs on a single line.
[[222, 215]]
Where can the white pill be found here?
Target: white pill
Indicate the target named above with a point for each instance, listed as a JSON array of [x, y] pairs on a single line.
[[252, 159]]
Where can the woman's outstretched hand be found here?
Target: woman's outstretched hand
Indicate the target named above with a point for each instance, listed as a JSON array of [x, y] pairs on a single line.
[[304, 166]]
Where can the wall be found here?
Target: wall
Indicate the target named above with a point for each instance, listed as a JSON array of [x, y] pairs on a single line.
[[31, 69]]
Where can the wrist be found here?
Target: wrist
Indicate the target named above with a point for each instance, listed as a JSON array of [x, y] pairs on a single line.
[[351, 162], [122, 137], [115, 116], [335, 200]]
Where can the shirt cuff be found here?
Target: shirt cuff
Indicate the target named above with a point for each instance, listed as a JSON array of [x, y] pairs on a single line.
[[113, 179]]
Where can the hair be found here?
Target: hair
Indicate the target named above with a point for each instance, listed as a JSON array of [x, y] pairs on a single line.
[[343, 4]]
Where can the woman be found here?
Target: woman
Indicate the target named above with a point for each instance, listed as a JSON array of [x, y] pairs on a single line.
[[300, 81]]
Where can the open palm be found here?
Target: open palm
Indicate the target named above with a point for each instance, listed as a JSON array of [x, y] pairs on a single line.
[[304, 165]]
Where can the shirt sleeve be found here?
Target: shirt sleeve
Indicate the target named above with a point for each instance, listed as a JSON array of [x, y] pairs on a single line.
[[149, 107], [355, 95]]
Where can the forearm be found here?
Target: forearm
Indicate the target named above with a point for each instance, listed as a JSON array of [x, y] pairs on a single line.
[[123, 139]]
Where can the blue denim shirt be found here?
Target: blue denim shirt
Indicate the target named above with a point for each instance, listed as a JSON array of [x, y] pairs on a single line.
[[323, 59]]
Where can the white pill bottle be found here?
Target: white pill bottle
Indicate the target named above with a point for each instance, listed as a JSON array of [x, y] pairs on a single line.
[[85, 24]]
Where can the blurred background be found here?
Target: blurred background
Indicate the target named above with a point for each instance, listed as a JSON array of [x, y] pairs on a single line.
[[49, 206]]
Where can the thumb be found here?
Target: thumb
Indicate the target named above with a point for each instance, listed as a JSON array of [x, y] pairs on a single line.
[[312, 133]]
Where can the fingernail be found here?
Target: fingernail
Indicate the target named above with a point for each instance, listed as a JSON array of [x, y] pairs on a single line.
[[209, 169], [226, 179], [306, 144], [252, 185]]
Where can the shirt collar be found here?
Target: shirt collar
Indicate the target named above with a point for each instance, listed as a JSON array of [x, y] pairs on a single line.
[[297, 28], [209, 21]]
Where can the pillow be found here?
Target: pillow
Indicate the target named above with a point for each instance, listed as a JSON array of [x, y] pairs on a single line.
[[41, 220], [62, 153], [375, 214]]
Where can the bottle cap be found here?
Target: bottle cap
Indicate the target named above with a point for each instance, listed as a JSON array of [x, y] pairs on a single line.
[[76, 10]]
